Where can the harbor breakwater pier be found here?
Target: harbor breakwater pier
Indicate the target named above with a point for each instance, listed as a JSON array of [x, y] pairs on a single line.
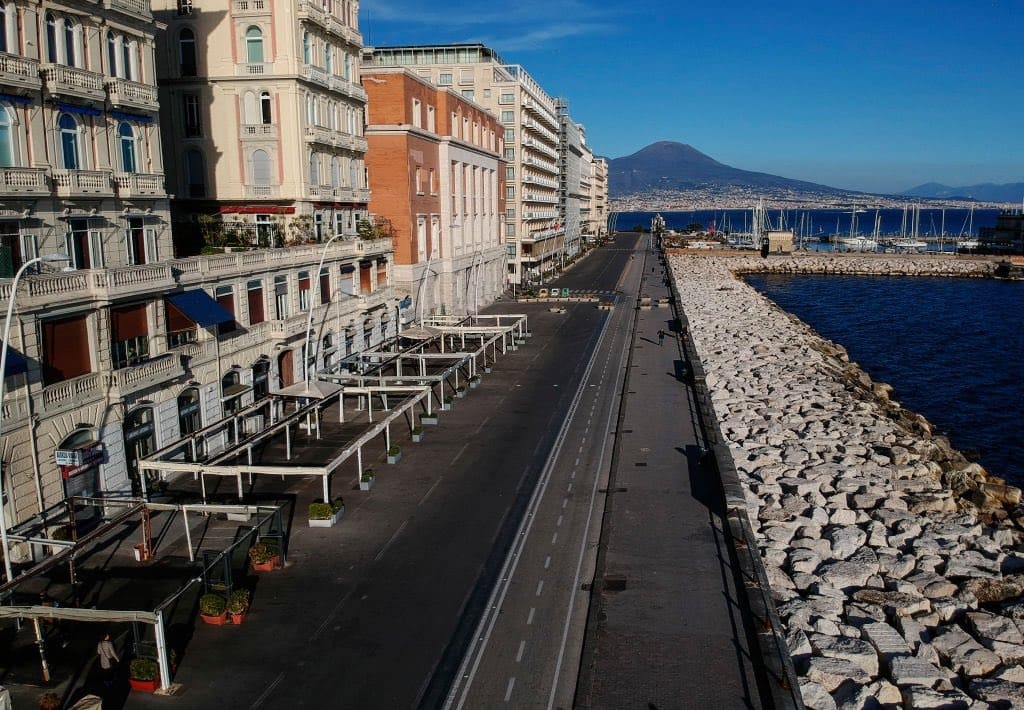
[[893, 561]]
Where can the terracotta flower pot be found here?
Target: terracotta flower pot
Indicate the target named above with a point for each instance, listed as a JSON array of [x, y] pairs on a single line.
[[218, 620], [267, 566], [237, 617], [144, 686]]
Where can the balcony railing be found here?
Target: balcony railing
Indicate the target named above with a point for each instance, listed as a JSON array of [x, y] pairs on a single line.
[[349, 88], [132, 94], [72, 81], [261, 192], [15, 181], [82, 183], [250, 7], [258, 131], [19, 71], [260, 69], [139, 185], [146, 374], [316, 75], [138, 8]]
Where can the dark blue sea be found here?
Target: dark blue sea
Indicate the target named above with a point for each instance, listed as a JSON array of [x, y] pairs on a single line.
[[953, 349], [930, 223]]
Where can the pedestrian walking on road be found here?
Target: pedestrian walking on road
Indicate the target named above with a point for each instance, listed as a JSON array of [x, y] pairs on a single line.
[[661, 337], [108, 657]]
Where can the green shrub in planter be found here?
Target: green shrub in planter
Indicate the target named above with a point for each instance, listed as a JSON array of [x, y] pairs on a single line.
[[143, 669], [394, 451], [324, 511], [417, 429], [211, 605], [238, 601], [367, 476], [263, 552]]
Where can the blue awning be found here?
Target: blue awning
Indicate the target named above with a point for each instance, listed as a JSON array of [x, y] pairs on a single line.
[[75, 108], [15, 99], [200, 307], [16, 363], [122, 116]]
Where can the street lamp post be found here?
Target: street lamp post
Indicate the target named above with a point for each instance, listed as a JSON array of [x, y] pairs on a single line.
[[312, 302], [3, 378]]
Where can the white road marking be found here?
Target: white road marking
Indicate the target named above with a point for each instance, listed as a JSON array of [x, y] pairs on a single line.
[[519, 653], [461, 451], [431, 490], [547, 562], [565, 502], [486, 419], [554, 538], [569, 489], [540, 588], [511, 684], [270, 688], [529, 617], [391, 540], [558, 523]]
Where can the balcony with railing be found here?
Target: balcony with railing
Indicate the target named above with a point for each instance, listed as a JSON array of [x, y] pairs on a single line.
[[257, 69], [349, 88], [323, 135], [540, 163], [139, 185], [19, 181], [132, 94], [262, 192], [135, 8], [18, 71], [539, 129], [541, 235], [316, 75], [313, 12], [538, 110], [542, 197], [62, 80], [243, 8], [83, 183], [535, 215], [258, 131], [540, 147]]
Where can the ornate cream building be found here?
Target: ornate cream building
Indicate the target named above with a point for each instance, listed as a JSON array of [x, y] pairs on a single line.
[[130, 348]]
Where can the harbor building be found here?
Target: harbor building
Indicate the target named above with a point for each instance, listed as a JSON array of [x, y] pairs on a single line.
[[138, 341], [534, 231], [438, 183]]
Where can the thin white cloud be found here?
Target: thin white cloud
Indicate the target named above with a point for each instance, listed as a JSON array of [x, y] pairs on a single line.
[[543, 36], [459, 14]]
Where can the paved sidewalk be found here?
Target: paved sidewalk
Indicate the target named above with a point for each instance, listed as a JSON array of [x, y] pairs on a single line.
[[666, 627]]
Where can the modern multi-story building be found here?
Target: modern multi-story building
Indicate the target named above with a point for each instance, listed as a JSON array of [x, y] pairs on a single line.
[[573, 177], [130, 349], [264, 117], [438, 182], [598, 214], [534, 231]]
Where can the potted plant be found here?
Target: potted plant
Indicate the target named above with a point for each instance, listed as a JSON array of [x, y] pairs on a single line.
[[428, 419], [144, 675], [366, 480], [474, 381], [394, 454], [49, 701], [446, 403], [264, 556], [238, 605], [417, 434], [460, 391], [213, 609], [325, 515]]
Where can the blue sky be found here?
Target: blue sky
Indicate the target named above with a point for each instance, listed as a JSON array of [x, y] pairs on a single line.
[[872, 95]]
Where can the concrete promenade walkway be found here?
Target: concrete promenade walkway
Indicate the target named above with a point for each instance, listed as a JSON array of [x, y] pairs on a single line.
[[665, 628]]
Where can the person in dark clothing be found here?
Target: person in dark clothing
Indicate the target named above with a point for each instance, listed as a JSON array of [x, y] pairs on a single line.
[[661, 337]]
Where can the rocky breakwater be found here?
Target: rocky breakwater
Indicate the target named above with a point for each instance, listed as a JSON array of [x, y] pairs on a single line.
[[893, 561], [867, 264]]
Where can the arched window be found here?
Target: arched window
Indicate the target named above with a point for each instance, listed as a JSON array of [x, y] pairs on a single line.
[[335, 172], [51, 38], [130, 53], [314, 169], [328, 58], [310, 110], [195, 173], [112, 54], [187, 52], [6, 138], [70, 150], [254, 45], [265, 108], [72, 35], [3, 28], [249, 111], [307, 48], [260, 167], [348, 67], [126, 134]]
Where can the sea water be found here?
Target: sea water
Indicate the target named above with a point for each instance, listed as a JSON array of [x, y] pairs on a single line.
[[953, 350]]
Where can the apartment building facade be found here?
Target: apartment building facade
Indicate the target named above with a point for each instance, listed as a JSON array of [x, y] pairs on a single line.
[[573, 192], [597, 222], [264, 116], [437, 177], [534, 231], [129, 349]]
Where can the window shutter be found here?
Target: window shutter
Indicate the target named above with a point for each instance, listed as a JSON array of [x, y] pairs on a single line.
[[128, 322]]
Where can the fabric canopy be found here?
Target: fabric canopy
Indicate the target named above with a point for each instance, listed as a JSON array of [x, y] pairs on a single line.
[[201, 308]]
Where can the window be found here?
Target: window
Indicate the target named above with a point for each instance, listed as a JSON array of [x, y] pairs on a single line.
[[431, 184], [264, 230], [307, 48], [510, 135], [335, 172], [180, 328], [141, 242], [260, 167], [468, 94], [126, 135], [510, 192], [329, 58], [8, 28], [66, 351], [304, 291], [510, 231], [510, 154], [112, 54], [325, 285], [314, 169], [129, 60], [445, 79], [195, 173], [184, 7], [506, 99], [189, 418], [254, 294], [193, 125], [431, 120], [421, 237], [7, 152], [129, 335], [510, 213], [265, 108], [254, 45], [281, 297], [419, 180], [508, 116], [318, 225], [84, 245], [510, 172], [225, 296], [70, 149], [187, 52], [417, 113], [71, 34]]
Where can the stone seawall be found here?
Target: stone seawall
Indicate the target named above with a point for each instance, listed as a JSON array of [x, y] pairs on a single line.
[[892, 559]]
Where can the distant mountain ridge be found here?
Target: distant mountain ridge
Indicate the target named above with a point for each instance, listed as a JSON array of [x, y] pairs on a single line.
[[668, 165], [985, 192]]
